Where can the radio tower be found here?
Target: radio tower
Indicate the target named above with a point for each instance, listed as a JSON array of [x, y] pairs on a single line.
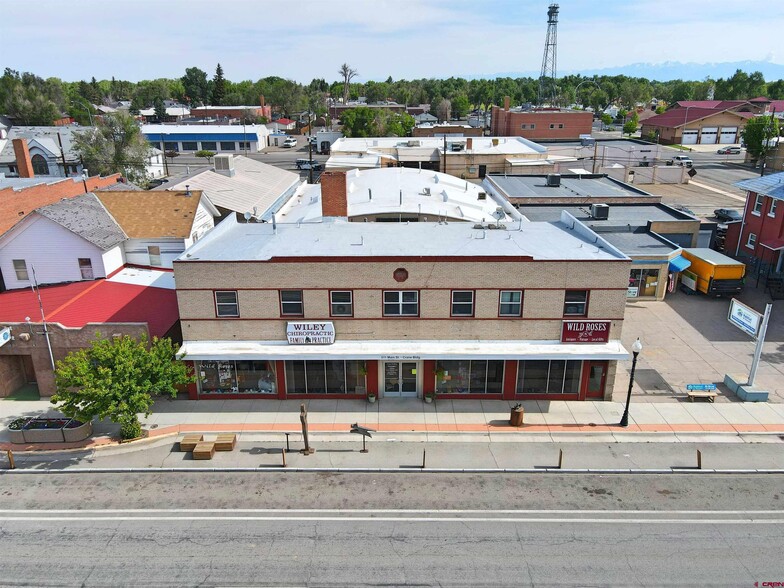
[[547, 88]]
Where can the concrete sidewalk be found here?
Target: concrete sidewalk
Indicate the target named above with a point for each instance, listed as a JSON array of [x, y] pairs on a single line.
[[461, 420]]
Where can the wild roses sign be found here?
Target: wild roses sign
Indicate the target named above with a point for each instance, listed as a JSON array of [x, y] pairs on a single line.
[[585, 332]]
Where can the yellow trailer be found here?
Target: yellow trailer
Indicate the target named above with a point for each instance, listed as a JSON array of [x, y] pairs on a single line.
[[712, 273]]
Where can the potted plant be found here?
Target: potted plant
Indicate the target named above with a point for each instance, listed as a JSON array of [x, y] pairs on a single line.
[[440, 374], [429, 397], [371, 396], [363, 369]]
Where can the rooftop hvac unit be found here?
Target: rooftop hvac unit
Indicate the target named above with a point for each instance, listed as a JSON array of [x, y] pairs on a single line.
[[413, 143], [224, 164], [553, 180], [482, 196], [600, 211], [458, 146]]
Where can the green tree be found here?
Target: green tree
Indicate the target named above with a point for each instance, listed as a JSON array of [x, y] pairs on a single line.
[[196, 86], [348, 74], [160, 110], [30, 107], [460, 105], [218, 87], [757, 135], [206, 154], [606, 119], [116, 145], [118, 379], [630, 126], [376, 122]]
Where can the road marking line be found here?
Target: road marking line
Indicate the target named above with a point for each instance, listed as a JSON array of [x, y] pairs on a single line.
[[407, 520]]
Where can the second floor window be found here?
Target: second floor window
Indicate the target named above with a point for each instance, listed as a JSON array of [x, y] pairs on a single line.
[[462, 303], [226, 303], [758, 202], [291, 303], [511, 303], [576, 303], [20, 267], [401, 303], [340, 303]]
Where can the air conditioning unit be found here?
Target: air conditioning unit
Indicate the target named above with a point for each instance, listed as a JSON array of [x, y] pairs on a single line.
[[600, 211], [553, 180], [414, 143], [482, 196], [458, 146], [341, 310], [426, 191], [224, 164]]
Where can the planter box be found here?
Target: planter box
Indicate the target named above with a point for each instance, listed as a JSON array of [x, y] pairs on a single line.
[[16, 435], [43, 435], [79, 433]]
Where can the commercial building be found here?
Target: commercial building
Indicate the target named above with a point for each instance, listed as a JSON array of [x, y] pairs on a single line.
[[337, 309], [446, 130], [540, 123], [463, 157], [215, 138]]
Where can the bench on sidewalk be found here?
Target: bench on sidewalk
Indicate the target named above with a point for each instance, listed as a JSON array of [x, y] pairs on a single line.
[[204, 450], [189, 442], [707, 394], [226, 442]]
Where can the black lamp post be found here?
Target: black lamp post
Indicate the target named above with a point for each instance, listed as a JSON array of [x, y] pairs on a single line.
[[636, 348]]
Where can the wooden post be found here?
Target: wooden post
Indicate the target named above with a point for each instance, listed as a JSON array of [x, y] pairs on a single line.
[[303, 418], [424, 457], [11, 464], [699, 459], [283, 453], [560, 458]]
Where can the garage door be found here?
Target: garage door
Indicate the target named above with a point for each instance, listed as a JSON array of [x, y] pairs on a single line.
[[709, 135], [690, 137], [728, 135]]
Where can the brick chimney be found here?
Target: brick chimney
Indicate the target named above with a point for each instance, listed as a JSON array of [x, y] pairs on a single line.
[[22, 154], [506, 102], [333, 194], [469, 144]]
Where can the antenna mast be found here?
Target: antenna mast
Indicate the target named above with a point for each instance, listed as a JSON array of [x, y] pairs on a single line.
[[547, 88]]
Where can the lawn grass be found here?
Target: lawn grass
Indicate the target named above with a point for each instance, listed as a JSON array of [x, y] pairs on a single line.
[[26, 392]]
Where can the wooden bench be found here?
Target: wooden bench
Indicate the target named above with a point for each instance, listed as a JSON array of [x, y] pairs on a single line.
[[189, 442], [709, 394], [226, 442], [204, 450]]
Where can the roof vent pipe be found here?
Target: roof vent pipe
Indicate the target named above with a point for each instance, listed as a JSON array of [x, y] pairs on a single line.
[[187, 189], [370, 194]]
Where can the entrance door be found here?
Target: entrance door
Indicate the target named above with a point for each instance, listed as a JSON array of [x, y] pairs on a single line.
[[482, 171], [595, 380], [400, 378]]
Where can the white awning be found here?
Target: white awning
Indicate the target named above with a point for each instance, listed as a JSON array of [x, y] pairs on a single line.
[[401, 350]]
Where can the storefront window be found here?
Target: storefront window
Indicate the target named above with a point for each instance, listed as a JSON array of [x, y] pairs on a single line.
[[642, 282], [324, 377], [548, 377], [240, 377], [466, 376]]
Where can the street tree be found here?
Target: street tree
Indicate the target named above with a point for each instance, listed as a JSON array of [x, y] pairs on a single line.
[[630, 126], [118, 378], [460, 105], [160, 110], [348, 74], [757, 135], [115, 145], [444, 110], [218, 87]]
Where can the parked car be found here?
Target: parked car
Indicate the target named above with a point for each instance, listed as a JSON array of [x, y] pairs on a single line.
[[727, 214], [307, 164], [290, 142], [682, 160], [683, 208], [729, 150]]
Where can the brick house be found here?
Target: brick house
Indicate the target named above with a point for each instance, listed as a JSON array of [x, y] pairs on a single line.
[[334, 309]]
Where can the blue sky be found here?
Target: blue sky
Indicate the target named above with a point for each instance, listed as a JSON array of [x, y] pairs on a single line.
[[303, 39]]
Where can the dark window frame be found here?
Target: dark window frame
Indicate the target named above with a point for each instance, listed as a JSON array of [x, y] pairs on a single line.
[[462, 303], [501, 303], [333, 304], [400, 302], [283, 303], [585, 303], [235, 304]]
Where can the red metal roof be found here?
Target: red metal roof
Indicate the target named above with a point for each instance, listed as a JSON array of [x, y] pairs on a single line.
[[680, 116], [100, 301], [284, 121]]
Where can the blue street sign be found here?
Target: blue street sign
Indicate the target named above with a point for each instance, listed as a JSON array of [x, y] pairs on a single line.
[[700, 386]]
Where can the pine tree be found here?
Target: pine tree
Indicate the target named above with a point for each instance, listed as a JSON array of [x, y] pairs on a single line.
[[218, 87]]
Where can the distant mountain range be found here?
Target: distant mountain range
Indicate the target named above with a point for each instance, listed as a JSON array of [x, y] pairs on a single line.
[[668, 70]]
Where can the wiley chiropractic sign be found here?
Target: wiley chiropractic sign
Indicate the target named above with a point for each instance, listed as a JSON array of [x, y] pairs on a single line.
[[322, 333]]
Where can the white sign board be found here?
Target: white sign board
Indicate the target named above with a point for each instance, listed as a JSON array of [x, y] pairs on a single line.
[[632, 292], [744, 317], [301, 333]]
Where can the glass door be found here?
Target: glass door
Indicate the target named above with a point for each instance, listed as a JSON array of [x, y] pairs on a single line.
[[400, 379], [597, 374]]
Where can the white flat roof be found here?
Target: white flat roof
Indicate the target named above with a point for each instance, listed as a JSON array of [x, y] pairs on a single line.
[[402, 350], [338, 238], [140, 276], [479, 145], [406, 191], [202, 129]]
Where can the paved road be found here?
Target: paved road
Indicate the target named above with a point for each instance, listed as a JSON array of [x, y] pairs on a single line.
[[400, 530]]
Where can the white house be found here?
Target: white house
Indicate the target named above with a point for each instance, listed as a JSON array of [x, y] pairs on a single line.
[[71, 240]]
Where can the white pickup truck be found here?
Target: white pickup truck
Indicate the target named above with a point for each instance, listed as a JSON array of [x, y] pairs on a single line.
[[682, 160]]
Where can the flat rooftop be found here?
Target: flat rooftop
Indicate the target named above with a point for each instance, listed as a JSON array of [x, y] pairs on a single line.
[[623, 214], [572, 186], [483, 145], [338, 238], [406, 192]]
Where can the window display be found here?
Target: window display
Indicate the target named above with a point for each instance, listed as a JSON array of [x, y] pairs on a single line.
[[236, 377], [467, 376]]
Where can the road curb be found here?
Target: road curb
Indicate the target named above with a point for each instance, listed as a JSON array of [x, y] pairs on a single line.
[[400, 470]]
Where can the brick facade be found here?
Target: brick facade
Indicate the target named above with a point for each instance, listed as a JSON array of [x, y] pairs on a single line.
[[544, 124]]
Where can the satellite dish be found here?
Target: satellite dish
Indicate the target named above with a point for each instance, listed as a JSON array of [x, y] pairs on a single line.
[[499, 213], [247, 216]]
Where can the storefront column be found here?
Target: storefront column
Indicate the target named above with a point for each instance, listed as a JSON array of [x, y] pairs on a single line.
[[510, 379], [428, 376], [371, 378], [280, 377]]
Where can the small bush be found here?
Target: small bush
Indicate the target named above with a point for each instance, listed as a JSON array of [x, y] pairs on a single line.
[[130, 429]]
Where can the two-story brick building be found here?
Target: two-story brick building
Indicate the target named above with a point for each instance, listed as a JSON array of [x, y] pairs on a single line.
[[541, 123], [339, 309]]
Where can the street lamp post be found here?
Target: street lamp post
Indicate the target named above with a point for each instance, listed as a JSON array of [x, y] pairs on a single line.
[[636, 348]]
